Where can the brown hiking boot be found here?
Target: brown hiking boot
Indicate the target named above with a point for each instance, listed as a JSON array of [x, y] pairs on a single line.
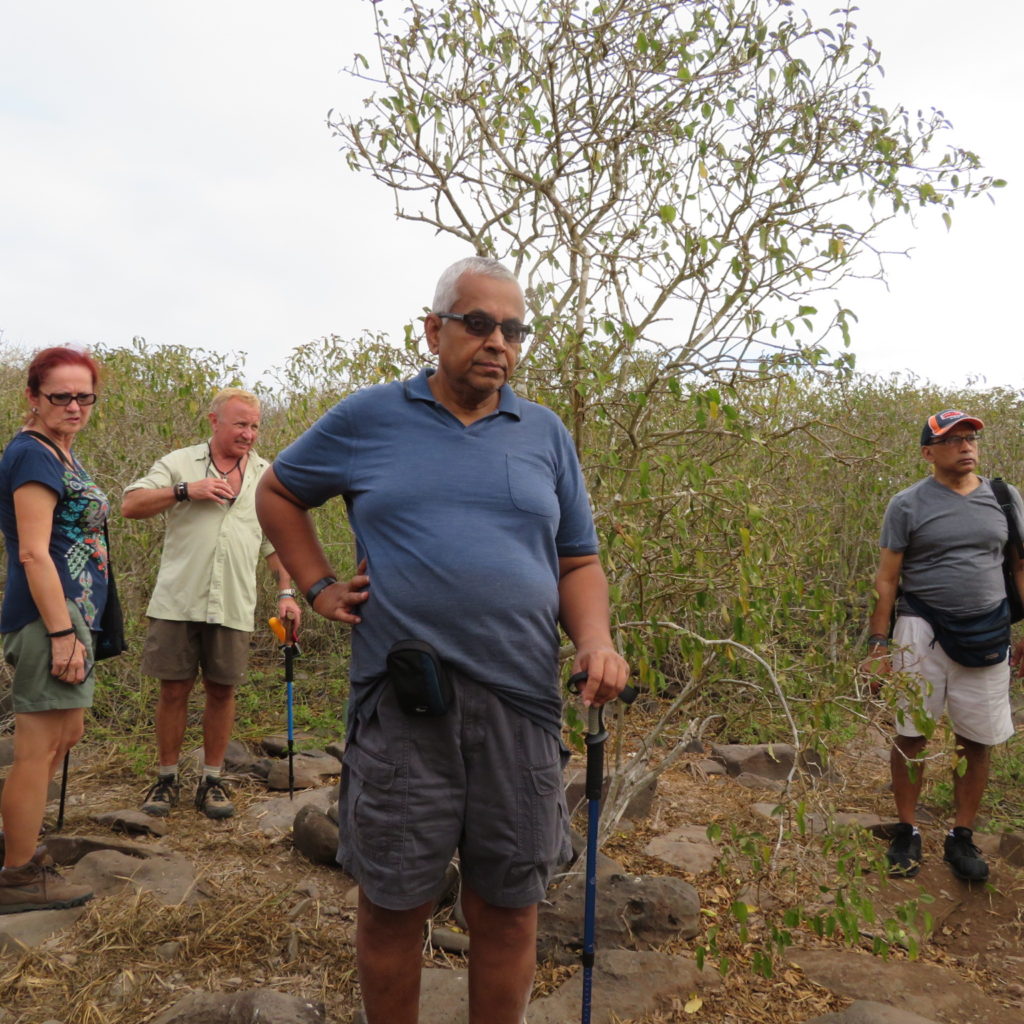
[[37, 886], [162, 796], [214, 799]]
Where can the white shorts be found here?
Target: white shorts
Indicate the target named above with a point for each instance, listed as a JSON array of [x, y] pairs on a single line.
[[977, 700]]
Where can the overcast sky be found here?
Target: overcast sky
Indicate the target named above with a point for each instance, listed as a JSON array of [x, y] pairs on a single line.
[[166, 171]]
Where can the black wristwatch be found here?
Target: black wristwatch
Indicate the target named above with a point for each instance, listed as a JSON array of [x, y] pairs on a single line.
[[321, 584]]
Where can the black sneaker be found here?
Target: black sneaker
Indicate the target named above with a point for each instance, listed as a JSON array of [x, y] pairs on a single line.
[[162, 796], [904, 853], [964, 857], [213, 799]]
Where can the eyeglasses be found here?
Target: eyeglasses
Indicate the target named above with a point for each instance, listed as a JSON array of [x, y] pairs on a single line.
[[66, 398], [481, 325], [958, 439]]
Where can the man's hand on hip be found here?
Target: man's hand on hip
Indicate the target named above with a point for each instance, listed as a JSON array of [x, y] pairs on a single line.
[[339, 600]]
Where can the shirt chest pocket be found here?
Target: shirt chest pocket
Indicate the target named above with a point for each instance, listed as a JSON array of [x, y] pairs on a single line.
[[531, 485]]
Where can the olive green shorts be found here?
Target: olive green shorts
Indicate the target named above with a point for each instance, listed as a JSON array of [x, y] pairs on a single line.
[[176, 651], [34, 687]]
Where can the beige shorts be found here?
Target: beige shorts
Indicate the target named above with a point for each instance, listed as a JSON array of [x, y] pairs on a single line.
[[178, 650], [977, 700]]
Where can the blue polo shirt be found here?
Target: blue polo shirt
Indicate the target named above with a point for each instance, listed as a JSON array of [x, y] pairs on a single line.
[[461, 526]]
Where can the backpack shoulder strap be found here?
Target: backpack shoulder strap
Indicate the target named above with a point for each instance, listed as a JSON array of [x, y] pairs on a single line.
[[1002, 493]]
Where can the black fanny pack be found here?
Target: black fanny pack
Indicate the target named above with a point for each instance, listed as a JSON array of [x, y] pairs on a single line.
[[972, 640], [419, 678]]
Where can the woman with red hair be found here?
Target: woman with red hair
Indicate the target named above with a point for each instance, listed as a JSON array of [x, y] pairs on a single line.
[[52, 516]]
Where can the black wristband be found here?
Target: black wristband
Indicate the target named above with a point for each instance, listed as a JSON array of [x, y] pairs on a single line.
[[878, 640], [181, 491], [61, 632], [321, 584]]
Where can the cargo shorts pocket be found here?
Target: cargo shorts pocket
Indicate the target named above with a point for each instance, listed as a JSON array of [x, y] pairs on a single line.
[[375, 802], [544, 835]]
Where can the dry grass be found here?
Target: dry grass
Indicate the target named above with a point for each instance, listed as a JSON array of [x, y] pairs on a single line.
[[126, 960], [270, 919]]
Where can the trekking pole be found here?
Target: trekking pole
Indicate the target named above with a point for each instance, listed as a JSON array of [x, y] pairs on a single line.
[[63, 793], [291, 652], [595, 738]]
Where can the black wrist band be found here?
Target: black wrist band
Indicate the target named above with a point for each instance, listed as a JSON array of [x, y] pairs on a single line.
[[321, 584], [878, 640], [181, 491], [61, 632]]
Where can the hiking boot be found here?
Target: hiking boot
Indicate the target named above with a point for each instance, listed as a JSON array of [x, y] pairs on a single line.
[[904, 853], [213, 799], [162, 796], [37, 886], [964, 857]]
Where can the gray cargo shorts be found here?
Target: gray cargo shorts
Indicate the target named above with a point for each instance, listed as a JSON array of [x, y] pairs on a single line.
[[481, 779]]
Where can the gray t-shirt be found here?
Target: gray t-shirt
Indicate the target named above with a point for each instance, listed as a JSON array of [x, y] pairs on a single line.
[[952, 545]]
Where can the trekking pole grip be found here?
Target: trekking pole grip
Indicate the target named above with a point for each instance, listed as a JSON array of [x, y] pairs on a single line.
[[578, 680], [595, 715]]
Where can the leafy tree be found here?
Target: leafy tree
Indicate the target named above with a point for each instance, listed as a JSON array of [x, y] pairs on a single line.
[[679, 178], [677, 183]]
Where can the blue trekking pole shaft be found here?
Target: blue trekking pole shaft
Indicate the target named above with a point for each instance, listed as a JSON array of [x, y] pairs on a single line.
[[595, 740], [289, 657], [596, 736], [288, 643]]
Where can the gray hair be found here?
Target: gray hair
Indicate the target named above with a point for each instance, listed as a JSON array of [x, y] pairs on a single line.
[[447, 292]]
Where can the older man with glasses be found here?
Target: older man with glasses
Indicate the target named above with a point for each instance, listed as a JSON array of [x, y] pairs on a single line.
[[943, 542], [472, 521], [202, 612]]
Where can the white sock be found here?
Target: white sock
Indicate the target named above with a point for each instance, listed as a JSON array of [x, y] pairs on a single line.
[[212, 773]]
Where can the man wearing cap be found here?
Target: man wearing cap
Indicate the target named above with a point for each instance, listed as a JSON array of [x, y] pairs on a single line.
[[942, 549]]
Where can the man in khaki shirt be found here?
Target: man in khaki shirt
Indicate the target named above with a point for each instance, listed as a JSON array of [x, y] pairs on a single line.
[[203, 606]]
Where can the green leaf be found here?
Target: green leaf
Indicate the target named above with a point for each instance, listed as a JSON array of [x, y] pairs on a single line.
[[740, 911]]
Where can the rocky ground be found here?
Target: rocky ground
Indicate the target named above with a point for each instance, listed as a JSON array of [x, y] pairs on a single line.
[[228, 921]]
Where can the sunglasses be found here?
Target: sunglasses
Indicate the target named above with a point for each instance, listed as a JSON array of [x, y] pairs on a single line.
[[66, 397], [481, 325]]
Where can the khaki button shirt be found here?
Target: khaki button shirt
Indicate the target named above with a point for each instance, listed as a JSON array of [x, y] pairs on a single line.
[[208, 566]]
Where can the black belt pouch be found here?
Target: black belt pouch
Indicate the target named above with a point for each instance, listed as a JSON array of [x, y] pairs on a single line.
[[420, 679], [975, 641]]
